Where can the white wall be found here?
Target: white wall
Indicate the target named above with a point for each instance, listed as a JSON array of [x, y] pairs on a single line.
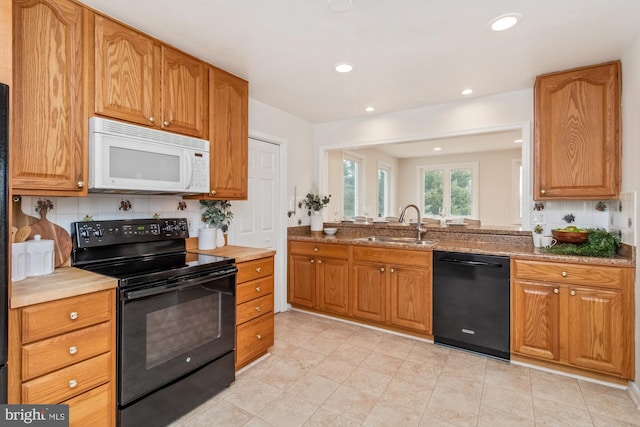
[[298, 134], [630, 158]]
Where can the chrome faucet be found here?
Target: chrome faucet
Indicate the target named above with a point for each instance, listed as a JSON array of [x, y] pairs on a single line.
[[404, 211]]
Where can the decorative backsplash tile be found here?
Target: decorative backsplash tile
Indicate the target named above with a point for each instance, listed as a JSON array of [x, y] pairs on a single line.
[[102, 207], [612, 215]]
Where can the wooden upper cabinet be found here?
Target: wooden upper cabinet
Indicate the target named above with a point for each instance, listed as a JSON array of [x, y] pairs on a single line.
[[140, 80], [127, 73], [49, 117], [229, 135], [185, 106], [577, 146]]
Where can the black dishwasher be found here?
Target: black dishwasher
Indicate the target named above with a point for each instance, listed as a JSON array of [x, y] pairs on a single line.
[[471, 302]]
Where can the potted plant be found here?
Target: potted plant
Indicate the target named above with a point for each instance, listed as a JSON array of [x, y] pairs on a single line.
[[314, 204], [217, 216]]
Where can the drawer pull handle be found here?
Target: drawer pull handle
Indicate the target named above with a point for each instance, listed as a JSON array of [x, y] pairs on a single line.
[[382, 269], [258, 308], [73, 350], [259, 336], [73, 384], [73, 315], [258, 289], [564, 274], [573, 292], [556, 291], [315, 249], [258, 270]]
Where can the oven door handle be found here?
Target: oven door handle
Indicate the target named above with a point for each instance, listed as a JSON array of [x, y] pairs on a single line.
[[157, 290]]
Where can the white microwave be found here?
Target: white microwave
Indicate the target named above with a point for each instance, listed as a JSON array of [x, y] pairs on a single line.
[[125, 158]]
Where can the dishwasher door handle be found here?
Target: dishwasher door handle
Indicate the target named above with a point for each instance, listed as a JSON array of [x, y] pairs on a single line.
[[471, 263]]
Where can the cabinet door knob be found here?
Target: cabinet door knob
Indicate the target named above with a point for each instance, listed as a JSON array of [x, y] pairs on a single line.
[[319, 261], [393, 270], [315, 249], [165, 123], [152, 119], [212, 192], [73, 384], [258, 270], [543, 191], [73, 350], [80, 184], [312, 261], [259, 336], [258, 289], [73, 315], [573, 292], [382, 269], [556, 291], [258, 308], [564, 274]]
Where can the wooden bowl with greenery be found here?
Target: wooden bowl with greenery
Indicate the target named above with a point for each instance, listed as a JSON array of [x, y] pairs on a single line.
[[570, 234]]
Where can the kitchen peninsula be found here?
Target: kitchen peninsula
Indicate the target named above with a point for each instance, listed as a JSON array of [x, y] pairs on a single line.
[[560, 305]]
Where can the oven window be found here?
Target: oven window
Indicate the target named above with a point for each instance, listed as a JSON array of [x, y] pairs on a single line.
[[177, 329]]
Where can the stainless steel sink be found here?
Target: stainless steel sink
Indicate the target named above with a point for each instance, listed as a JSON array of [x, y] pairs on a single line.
[[399, 240]]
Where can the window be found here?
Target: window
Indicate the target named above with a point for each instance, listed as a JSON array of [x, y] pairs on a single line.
[[450, 190], [351, 177], [384, 176]]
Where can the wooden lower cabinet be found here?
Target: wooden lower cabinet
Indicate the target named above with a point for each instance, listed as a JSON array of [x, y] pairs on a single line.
[[319, 276], [395, 289], [66, 354], [254, 310], [575, 315]]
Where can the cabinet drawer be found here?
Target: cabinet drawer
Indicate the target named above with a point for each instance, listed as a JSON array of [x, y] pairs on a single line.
[[63, 350], [255, 269], [587, 275], [92, 408], [254, 308], [254, 338], [393, 256], [254, 289], [318, 249], [56, 317], [68, 382]]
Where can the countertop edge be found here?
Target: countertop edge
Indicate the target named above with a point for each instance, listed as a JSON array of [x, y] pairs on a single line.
[[239, 253], [485, 248]]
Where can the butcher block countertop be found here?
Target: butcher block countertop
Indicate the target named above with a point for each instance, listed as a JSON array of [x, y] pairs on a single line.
[[64, 282], [240, 253]]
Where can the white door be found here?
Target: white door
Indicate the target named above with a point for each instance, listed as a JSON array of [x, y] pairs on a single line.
[[255, 220]]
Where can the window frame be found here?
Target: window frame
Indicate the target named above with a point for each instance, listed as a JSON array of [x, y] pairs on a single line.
[[446, 188], [359, 190], [388, 169]]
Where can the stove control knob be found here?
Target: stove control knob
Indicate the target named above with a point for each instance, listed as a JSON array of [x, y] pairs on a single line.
[[84, 234], [183, 227], [98, 232]]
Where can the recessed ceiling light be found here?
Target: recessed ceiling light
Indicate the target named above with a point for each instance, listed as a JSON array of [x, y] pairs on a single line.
[[467, 92], [369, 109], [437, 148], [344, 67], [504, 22], [517, 141], [339, 5]]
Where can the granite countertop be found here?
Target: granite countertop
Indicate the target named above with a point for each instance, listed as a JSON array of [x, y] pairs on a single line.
[[503, 241], [64, 282]]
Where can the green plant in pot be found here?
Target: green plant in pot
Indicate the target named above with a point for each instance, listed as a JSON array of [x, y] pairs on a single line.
[[217, 213], [314, 204]]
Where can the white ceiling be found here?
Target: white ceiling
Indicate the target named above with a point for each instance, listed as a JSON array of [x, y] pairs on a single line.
[[406, 53]]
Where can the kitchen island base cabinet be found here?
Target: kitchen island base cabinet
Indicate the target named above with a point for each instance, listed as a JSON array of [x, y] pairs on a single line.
[[575, 315], [254, 310]]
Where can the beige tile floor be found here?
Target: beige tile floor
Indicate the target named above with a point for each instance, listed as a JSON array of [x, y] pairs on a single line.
[[329, 373]]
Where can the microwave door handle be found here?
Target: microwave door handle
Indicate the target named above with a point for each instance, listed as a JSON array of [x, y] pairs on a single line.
[[189, 162]]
